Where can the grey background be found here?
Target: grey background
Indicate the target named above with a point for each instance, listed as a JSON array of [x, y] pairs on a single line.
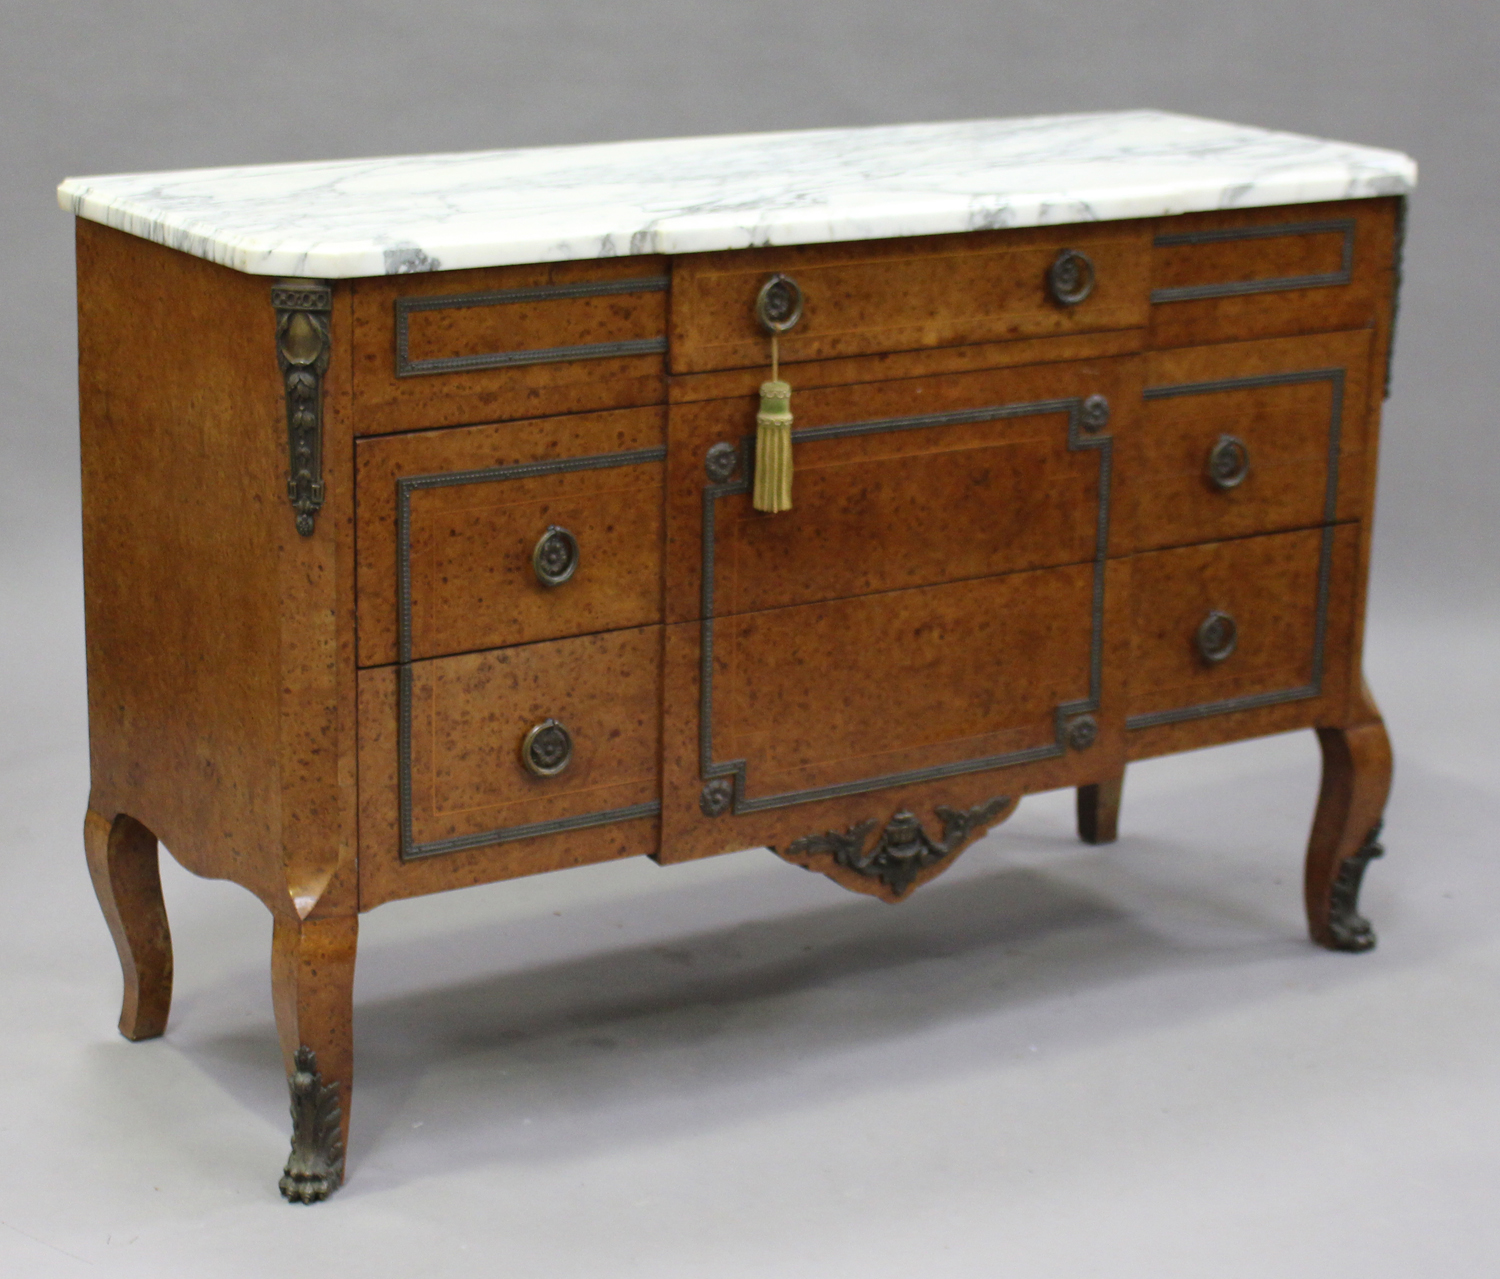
[[1057, 1060]]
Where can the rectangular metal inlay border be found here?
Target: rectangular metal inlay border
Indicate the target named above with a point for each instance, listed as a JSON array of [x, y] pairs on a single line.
[[405, 487], [407, 367], [1274, 284], [1255, 701], [737, 769]]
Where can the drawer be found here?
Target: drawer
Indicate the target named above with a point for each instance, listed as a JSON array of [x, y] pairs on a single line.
[[493, 516], [588, 707], [1246, 273], [897, 484], [452, 347], [1237, 626], [1243, 438], [896, 295], [819, 701]]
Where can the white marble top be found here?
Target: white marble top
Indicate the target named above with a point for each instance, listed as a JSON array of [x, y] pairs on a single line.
[[341, 218]]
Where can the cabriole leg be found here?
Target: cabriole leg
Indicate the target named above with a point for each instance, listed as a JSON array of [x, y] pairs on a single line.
[[312, 984], [127, 880], [1356, 781], [1099, 811]]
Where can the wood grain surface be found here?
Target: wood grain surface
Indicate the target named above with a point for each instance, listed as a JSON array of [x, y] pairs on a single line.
[[1358, 304], [1268, 585], [472, 577], [928, 602], [898, 508], [868, 686], [1164, 496], [219, 639], [470, 715], [122, 857], [312, 992], [385, 402], [895, 295]]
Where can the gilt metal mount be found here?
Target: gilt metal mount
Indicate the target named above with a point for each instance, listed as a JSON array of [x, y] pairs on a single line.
[[903, 850], [316, 1167], [303, 340], [1349, 929]]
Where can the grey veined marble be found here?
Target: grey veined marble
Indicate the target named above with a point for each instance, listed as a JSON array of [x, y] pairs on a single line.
[[342, 218]]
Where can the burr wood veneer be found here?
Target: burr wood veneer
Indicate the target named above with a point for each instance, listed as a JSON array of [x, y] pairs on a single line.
[[531, 619]]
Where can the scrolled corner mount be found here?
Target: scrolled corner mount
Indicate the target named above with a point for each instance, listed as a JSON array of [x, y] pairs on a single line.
[[303, 341]]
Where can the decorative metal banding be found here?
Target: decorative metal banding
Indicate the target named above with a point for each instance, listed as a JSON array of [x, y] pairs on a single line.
[[1273, 284], [555, 557], [411, 849], [547, 749], [1217, 635], [778, 306], [1228, 462], [733, 774], [1070, 278], [407, 367]]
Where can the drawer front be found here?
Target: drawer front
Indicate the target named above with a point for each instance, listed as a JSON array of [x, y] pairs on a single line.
[[897, 295], [463, 534], [464, 727], [1243, 438], [788, 721], [897, 484], [453, 347], [1248, 273], [1236, 626]]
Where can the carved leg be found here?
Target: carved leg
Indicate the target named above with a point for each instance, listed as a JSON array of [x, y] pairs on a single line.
[[312, 984], [127, 881], [1099, 811], [1356, 780]]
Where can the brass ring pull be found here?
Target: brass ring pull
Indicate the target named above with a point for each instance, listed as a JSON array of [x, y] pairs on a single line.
[[1228, 461], [1217, 635], [555, 556], [1070, 278], [547, 749], [778, 306]]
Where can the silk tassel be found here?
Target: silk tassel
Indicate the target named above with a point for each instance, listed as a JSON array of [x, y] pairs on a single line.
[[773, 444]]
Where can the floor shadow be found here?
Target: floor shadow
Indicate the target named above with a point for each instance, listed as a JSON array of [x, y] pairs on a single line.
[[603, 1048]]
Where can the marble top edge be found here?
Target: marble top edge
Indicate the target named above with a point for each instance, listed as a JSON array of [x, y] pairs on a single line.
[[380, 216]]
